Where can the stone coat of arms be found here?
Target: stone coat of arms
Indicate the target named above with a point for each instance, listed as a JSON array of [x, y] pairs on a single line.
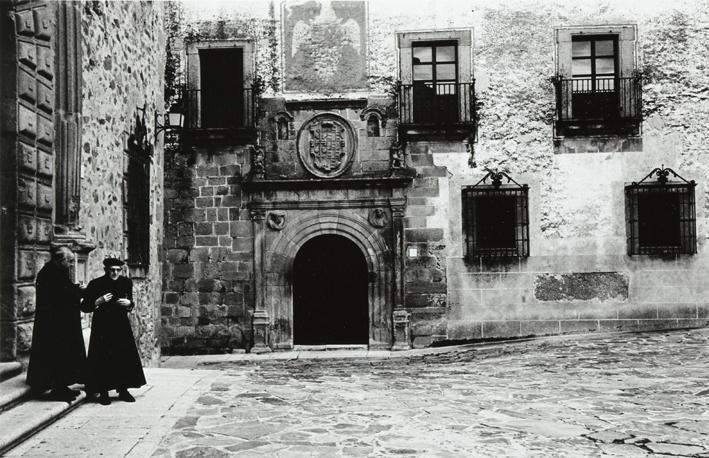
[[326, 146]]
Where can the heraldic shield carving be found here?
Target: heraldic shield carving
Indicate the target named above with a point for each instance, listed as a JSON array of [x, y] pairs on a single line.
[[326, 146]]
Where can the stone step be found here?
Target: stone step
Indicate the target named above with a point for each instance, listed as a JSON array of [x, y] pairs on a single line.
[[13, 391], [29, 417], [9, 370]]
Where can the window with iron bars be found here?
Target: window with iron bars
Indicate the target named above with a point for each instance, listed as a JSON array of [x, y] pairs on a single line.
[[661, 215], [136, 197], [496, 219]]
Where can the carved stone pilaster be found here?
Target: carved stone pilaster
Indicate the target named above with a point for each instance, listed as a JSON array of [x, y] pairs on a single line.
[[261, 320], [397, 221], [261, 324], [68, 113], [402, 330]]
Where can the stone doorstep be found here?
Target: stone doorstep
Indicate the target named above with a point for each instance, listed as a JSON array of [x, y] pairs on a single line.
[[195, 361], [12, 391], [9, 370], [26, 419]]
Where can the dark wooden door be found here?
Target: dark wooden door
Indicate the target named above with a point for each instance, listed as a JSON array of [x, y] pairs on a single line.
[[330, 304]]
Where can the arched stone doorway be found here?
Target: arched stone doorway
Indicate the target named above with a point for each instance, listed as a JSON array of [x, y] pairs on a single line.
[[330, 293]]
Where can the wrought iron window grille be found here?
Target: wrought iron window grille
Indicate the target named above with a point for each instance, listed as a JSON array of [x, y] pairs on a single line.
[[661, 214], [496, 218], [139, 154]]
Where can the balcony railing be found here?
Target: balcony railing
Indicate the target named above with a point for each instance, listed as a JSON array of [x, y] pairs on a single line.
[[233, 108], [437, 104], [600, 100]]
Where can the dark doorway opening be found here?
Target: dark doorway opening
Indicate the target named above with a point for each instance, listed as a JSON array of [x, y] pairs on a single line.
[[330, 300]]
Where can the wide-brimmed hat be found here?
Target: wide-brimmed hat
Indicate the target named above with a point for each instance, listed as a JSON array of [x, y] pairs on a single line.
[[111, 262]]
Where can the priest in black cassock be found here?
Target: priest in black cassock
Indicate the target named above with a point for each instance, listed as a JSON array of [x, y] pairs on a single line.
[[113, 362], [58, 355]]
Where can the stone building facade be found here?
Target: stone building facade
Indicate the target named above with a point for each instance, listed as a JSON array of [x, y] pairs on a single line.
[[506, 171], [81, 82]]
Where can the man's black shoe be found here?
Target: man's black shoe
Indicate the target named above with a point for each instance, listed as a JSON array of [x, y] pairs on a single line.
[[61, 395], [104, 400], [125, 396]]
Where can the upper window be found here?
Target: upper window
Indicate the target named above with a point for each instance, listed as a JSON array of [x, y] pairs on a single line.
[[661, 215], [593, 67], [219, 92], [597, 87], [435, 88], [496, 218], [437, 91]]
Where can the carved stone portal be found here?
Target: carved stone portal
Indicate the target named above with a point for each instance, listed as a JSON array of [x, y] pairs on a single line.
[[326, 146]]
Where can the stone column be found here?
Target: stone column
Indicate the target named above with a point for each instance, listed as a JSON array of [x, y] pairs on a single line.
[[400, 314], [261, 320], [68, 116]]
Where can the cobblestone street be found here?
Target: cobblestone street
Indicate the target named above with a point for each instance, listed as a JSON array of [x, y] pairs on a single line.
[[619, 395], [627, 395]]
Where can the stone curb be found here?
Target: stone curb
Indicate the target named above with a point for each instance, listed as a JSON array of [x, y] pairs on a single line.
[[26, 419], [200, 361]]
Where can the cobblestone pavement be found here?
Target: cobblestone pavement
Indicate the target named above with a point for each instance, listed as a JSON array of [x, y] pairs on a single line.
[[622, 395]]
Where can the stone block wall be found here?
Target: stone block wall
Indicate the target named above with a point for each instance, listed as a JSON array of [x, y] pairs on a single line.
[[122, 46], [26, 166], [207, 286], [577, 278]]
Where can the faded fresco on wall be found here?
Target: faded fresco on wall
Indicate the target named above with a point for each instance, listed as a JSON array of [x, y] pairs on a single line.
[[325, 45]]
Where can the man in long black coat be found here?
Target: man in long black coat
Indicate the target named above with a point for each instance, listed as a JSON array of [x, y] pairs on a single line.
[[114, 362], [58, 355]]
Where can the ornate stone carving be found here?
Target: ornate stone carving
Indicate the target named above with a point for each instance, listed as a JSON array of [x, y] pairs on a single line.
[[257, 214], [276, 220], [258, 168], [283, 122], [378, 110], [378, 217], [397, 159], [326, 146]]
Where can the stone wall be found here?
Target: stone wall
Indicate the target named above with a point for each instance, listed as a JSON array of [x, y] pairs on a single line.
[[63, 167], [209, 252], [123, 72], [577, 278]]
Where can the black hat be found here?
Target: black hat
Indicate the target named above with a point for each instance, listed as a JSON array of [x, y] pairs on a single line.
[[110, 262]]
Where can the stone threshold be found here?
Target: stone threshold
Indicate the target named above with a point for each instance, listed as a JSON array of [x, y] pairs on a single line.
[[204, 361]]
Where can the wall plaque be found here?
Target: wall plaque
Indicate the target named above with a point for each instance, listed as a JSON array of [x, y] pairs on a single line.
[[325, 45], [326, 145]]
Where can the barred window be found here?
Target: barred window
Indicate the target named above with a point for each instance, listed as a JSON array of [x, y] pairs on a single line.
[[661, 215], [136, 196], [496, 218]]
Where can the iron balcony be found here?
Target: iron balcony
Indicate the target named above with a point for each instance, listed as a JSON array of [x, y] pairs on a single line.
[[428, 109], [598, 105]]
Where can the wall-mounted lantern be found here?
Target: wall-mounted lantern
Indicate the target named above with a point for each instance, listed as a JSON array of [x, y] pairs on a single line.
[[173, 120]]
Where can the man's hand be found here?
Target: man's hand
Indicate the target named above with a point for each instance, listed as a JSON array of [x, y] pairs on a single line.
[[103, 299], [123, 302]]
